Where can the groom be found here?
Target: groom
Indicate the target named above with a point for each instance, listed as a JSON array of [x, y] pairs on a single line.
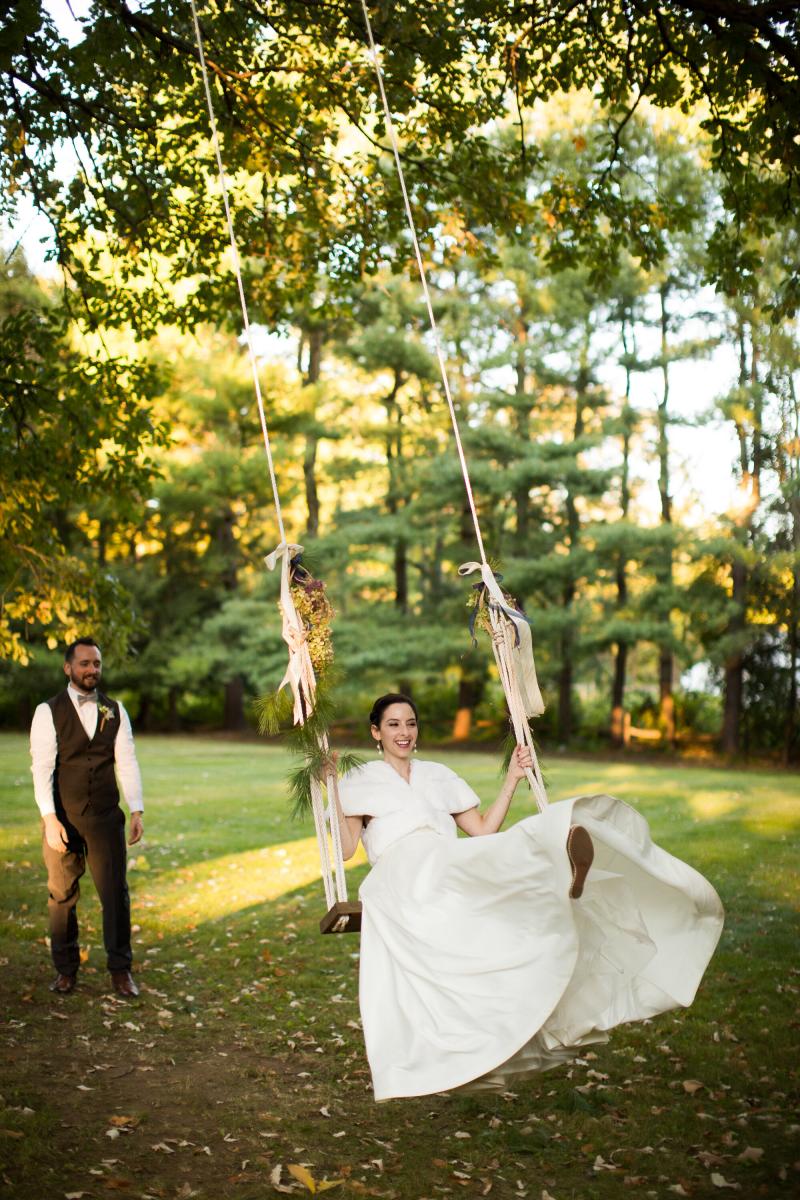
[[77, 740]]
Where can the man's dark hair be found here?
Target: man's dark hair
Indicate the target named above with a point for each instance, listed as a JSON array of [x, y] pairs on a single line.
[[69, 653]]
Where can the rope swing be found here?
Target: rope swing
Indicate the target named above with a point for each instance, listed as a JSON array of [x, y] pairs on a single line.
[[509, 629]]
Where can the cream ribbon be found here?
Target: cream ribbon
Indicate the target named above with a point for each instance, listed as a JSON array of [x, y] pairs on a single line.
[[522, 653], [300, 672]]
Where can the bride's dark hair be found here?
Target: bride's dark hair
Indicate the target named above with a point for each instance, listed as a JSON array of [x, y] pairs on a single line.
[[383, 702]]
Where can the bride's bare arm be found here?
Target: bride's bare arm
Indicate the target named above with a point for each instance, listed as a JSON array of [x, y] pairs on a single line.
[[350, 828], [478, 824]]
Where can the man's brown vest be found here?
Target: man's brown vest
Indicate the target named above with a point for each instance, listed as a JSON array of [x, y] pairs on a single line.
[[84, 773]]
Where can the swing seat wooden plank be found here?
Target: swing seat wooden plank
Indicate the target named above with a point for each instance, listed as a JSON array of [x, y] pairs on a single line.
[[344, 917]]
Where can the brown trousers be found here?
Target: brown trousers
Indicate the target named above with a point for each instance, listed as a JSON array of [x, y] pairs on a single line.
[[97, 840]]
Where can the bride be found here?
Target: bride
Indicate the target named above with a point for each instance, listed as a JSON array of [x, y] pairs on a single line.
[[488, 958]]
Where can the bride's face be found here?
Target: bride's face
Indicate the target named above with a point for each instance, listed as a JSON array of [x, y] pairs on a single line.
[[397, 731]]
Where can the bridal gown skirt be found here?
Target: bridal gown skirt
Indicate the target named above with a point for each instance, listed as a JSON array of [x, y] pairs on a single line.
[[477, 968]]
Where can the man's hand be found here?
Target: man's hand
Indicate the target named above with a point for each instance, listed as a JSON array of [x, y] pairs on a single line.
[[137, 828], [55, 834]]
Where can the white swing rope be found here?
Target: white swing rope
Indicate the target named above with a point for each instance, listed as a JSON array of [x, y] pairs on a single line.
[[334, 880], [502, 628]]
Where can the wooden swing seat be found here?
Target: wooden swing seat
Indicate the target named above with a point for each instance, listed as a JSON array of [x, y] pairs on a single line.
[[344, 917]]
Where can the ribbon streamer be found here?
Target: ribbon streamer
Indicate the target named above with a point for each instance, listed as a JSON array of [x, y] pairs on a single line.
[[522, 651]]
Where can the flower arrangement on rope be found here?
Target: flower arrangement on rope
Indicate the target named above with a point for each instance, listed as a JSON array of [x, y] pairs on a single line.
[[274, 710], [479, 602], [316, 612]]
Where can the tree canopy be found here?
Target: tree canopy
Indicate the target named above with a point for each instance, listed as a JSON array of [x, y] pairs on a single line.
[[304, 138]]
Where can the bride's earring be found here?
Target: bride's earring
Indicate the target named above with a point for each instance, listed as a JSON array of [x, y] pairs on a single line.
[[378, 746]]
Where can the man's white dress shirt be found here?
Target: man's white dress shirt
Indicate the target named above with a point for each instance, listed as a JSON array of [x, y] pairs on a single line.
[[44, 750]]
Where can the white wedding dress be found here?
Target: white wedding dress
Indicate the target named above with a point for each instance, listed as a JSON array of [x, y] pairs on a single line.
[[476, 967]]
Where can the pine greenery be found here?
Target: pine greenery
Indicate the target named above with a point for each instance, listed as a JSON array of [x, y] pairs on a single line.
[[306, 741]]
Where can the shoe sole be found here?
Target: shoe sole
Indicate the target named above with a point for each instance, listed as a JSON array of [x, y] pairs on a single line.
[[581, 856]]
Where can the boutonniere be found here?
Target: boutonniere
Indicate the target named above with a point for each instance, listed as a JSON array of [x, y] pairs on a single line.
[[106, 714]]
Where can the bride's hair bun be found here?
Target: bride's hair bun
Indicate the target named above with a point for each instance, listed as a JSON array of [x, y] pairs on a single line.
[[383, 702]]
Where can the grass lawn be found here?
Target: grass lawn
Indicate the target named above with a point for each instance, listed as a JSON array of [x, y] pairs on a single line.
[[244, 1053]]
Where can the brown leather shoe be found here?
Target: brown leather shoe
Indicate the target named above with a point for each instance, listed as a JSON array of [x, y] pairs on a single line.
[[123, 983], [581, 855], [63, 984]]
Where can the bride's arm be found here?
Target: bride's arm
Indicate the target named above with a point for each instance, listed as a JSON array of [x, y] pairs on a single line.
[[350, 828], [477, 824]]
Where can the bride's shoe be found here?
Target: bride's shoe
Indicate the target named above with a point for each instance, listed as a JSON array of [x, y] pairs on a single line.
[[581, 853]]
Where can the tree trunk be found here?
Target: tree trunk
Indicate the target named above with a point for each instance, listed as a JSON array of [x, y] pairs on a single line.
[[394, 496], [310, 479], [618, 694], [565, 690], [173, 720], [234, 704], [522, 424], [401, 574], [312, 375], [470, 692], [567, 639], [665, 661], [234, 689], [621, 647], [790, 728], [750, 462], [734, 668]]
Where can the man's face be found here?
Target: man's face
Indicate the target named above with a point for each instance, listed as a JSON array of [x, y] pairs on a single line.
[[84, 669]]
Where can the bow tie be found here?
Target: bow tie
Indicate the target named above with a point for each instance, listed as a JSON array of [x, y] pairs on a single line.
[[87, 698]]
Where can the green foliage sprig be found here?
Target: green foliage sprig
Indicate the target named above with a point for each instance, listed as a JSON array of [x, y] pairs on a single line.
[[305, 741]]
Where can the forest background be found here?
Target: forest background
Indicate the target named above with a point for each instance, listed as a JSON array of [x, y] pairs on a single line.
[[607, 196]]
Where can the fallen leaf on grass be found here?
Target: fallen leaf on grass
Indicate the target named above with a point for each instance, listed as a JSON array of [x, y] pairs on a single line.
[[750, 1154], [275, 1180], [690, 1086], [112, 1133], [162, 1147], [600, 1164], [304, 1176], [74, 1195], [116, 1184], [10, 1133], [678, 1189], [709, 1159], [124, 1122], [719, 1181]]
